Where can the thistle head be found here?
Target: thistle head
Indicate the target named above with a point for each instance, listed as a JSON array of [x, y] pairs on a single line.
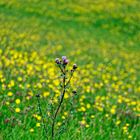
[[74, 66], [65, 60], [57, 61]]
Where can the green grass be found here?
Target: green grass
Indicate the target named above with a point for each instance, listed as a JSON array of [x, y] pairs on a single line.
[[102, 37]]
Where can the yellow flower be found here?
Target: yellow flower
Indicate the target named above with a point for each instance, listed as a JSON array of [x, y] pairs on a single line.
[[46, 94], [11, 84], [10, 93], [63, 117], [7, 103], [38, 118], [48, 113], [100, 108], [133, 103], [30, 93], [17, 101], [87, 125], [37, 124], [115, 78], [92, 116], [127, 124], [124, 128], [66, 96], [1, 51], [118, 122], [31, 130], [17, 110], [88, 106], [83, 122], [27, 98], [65, 113], [106, 115], [112, 111], [59, 123], [19, 79], [83, 109]]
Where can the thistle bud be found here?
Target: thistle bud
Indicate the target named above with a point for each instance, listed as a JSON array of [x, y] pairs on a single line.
[[74, 66], [64, 57], [65, 60], [57, 61]]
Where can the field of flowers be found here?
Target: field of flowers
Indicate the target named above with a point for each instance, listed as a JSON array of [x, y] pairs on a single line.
[[102, 37]]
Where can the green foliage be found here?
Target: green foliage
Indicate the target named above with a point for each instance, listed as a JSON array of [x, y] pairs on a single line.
[[101, 36]]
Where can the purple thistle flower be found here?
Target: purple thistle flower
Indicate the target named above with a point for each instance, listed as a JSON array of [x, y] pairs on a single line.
[[65, 60]]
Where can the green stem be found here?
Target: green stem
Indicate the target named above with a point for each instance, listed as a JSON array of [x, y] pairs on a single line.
[[60, 103]]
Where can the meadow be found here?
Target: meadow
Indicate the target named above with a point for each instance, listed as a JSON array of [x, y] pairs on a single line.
[[102, 37]]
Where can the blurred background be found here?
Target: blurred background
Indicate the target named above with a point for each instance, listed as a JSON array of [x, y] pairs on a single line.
[[74, 27]]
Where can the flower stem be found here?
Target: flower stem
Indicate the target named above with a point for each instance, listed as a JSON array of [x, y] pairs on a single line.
[[60, 103]]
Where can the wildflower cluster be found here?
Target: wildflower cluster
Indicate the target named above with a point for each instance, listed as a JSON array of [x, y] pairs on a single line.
[[103, 35], [64, 85]]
